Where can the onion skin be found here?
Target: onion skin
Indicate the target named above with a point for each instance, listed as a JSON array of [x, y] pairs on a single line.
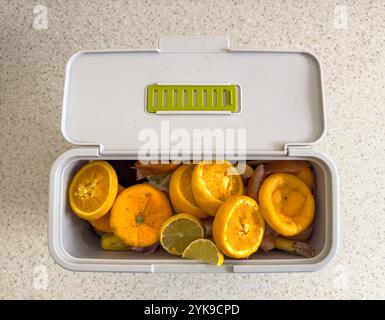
[[254, 183], [150, 169], [267, 243], [208, 226], [146, 250], [269, 231]]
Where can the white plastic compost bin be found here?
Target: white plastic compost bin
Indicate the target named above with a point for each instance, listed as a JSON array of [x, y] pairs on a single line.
[[280, 107]]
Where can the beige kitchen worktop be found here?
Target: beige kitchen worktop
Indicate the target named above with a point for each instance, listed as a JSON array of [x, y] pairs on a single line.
[[347, 36]]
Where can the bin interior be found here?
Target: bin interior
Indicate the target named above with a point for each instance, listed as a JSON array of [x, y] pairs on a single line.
[[80, 241]]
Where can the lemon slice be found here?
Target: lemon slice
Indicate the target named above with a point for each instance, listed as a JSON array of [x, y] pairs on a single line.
[[179, 231], [93, 190], [181, 194], [213, 183], [204, 250]]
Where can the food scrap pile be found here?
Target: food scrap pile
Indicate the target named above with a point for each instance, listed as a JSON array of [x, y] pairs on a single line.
[[198, 211]]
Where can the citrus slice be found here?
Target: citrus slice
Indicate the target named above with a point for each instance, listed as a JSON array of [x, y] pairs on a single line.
[[180, 191], [138, 214], [238, 227], [179, 231], [286, 203], [93, 190], [213, 183], [204, 250], [103, 224]]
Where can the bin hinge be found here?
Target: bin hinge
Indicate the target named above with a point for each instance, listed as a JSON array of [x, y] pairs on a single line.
[[296, 149], [114, 151]]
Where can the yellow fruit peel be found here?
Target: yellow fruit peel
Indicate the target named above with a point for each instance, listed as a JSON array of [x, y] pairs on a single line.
[[181, 194], [138, 214], [93, 190], [213, 183], [287, 203], [238, 227]]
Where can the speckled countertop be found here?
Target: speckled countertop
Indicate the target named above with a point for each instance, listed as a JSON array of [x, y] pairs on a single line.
[[347, 36]]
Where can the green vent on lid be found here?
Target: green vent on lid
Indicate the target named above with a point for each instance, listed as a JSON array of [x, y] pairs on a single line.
[[168, 98]]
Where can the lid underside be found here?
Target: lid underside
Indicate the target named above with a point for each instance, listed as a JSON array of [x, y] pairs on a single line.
[[280, 95]]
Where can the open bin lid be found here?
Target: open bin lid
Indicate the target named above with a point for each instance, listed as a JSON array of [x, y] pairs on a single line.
[[279, 97]]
